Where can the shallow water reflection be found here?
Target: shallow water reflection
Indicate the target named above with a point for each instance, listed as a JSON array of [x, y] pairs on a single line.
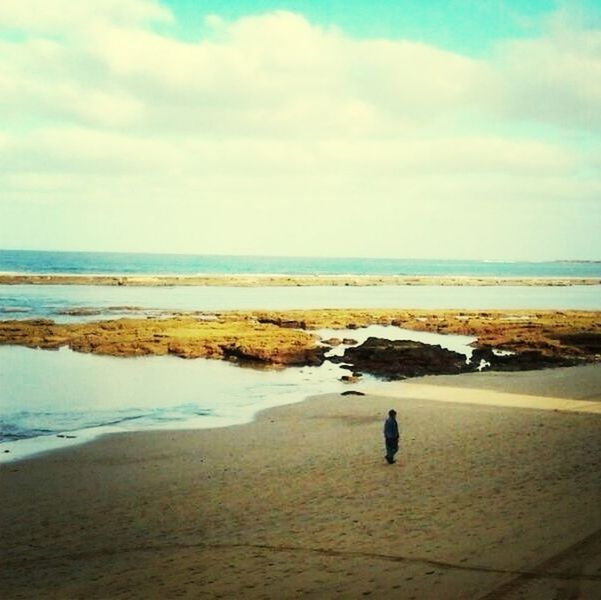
[[50, 393], [52, 301]]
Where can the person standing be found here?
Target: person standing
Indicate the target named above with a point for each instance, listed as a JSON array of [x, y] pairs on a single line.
[[391, 436]]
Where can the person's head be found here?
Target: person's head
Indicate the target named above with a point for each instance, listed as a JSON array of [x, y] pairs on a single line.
[[392, 413]]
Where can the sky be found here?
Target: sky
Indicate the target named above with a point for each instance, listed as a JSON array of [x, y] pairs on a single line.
[[460, 129]]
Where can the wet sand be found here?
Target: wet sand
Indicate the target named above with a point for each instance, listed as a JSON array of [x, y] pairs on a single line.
[[486, 501]]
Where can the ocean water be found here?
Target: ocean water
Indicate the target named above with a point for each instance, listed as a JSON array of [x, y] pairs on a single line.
[[103, 302], [29, 261], [54, 399]]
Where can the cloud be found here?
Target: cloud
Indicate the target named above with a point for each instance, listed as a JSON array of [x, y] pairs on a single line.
[[267, 74], [555, 79], [108, 153], [278, 74], [99, 109], [60, 16]]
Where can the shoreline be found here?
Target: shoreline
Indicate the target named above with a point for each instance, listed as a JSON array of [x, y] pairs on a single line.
[[282, 280], [481, 495], [266, 337], [431, 387]]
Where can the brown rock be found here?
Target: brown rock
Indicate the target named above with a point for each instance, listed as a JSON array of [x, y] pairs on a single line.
[[398, 359]]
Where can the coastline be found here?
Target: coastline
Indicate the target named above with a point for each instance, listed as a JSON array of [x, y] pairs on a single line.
[[484, 499], [263, 280]]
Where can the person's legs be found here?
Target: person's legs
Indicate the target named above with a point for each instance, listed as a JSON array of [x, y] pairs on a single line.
[[391, 449]]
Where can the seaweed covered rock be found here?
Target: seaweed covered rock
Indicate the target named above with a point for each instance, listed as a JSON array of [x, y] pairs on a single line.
[[398, 359], [528, 360]]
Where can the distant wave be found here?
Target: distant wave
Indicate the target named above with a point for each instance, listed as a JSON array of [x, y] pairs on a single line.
[[121, 264]]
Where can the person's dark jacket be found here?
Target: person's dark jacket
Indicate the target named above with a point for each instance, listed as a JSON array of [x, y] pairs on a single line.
[[391, 429]]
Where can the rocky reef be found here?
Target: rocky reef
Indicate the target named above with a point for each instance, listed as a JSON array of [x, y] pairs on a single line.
[[396, 359], [186, 337], [570, 334], [505, 340], [399, 359], [248, 280]]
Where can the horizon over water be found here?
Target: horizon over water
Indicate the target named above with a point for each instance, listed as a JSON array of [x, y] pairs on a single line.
[[117, 263]]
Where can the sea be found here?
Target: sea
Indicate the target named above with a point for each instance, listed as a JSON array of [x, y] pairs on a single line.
[[111, 263], [54, 399]]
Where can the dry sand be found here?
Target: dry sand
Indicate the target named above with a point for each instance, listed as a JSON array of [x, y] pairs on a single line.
[[486, 501]]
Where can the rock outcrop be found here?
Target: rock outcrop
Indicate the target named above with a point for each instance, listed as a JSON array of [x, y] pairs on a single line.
[[250, 280], [527, 360], [531, 339], [398, 359], [236, 339]]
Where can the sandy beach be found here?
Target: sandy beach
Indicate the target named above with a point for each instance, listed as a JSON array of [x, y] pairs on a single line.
[[235, 235], [486, 501]]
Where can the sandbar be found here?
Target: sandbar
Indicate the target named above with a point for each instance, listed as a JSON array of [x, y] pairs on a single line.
[[486, 501], [264, 280]]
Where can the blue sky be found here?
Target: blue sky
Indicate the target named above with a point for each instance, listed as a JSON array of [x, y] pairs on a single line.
[[467, 26], [457, 129]]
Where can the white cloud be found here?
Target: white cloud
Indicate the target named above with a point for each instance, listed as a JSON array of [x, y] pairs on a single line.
[[553, 79], [277, 74], [106, 153], [271, 74], [59, 16], [273, 110]]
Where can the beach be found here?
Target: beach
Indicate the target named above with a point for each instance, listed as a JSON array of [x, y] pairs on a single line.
[[486, 500], [235, 235]]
